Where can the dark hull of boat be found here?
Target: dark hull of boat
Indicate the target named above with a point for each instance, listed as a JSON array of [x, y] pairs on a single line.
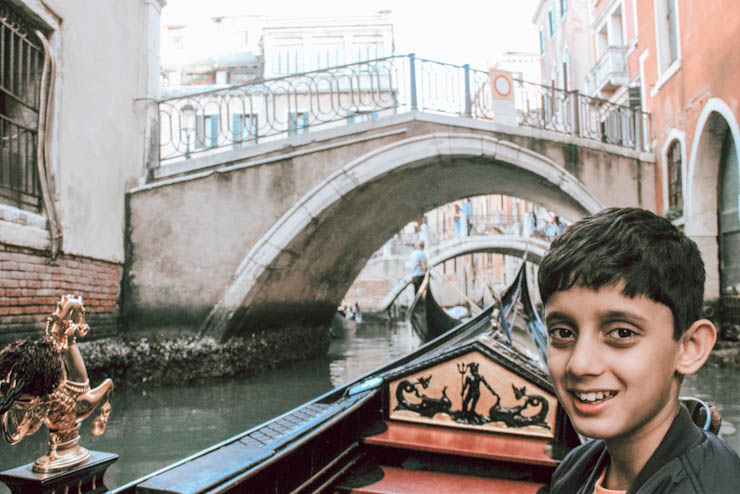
[[428, 318]]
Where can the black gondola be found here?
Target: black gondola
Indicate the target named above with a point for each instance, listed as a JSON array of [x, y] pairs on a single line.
[[427, 317], [469, 411]]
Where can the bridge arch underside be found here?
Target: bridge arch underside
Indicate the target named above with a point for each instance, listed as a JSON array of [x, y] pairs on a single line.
[[301, 269]]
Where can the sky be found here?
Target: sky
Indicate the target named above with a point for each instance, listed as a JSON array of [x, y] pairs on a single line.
[[476, 32]]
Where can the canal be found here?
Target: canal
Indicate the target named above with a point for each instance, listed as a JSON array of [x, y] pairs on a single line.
[[154, 427]]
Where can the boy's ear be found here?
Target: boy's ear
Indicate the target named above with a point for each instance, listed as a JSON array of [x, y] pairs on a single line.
[[695, 346]]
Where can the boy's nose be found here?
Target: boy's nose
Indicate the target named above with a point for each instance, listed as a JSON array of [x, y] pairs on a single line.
[[585, 359]]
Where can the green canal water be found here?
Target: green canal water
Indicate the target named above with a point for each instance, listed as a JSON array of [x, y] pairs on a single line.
[[154, 427]]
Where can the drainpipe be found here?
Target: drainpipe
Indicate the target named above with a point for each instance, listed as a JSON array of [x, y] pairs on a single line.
[[43, 156]]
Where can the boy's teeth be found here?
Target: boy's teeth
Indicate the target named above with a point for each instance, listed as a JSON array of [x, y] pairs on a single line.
[[598, 396]]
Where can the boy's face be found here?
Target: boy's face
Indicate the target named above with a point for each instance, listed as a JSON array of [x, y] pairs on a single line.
[[613, 361]]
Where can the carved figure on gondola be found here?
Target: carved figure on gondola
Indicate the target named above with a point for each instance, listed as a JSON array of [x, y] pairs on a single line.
[[531, 412], [44, 381], [512, 416], [470, 394], [427, 407]]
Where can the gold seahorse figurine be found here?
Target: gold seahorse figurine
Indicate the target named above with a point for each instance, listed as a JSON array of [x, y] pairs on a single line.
[[45, 382]]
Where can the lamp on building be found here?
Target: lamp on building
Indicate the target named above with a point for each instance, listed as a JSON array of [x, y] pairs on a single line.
[[188, 125]]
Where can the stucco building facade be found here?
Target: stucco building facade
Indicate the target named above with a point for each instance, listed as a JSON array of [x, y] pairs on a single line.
[[688, 60], [75, 117]]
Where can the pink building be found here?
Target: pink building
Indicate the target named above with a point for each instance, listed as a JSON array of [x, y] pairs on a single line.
[[688, 61], [677, 59]]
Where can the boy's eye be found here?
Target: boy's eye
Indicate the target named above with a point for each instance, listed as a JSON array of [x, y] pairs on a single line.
[[560, 334], [621, 333]]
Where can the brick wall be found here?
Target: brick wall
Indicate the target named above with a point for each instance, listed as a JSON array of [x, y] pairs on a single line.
[[368, 293], [31, 285]]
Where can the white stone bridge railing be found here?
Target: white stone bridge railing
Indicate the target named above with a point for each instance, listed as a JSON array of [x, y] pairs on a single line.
[[193, 121]]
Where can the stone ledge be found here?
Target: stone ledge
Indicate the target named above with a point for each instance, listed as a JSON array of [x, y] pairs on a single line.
[[166, 360], [726, 355]]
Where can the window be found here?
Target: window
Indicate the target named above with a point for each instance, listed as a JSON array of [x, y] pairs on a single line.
[[329, 51], [244, 129], [367, 48], [297, 122], [357, 116], [672, 21], [21, 64], [542, 41], [206, 131], [551, 21], [287, 57], [178, 42], [666, 19], [675, 193], [563, 8]]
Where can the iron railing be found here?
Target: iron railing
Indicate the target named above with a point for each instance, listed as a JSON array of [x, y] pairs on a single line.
[[21, 61], [239, 116]]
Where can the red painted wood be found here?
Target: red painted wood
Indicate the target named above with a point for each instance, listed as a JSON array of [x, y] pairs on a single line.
[[492, 446], [401, 481]]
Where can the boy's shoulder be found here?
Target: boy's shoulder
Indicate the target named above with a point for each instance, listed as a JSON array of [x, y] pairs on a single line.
[[714, 465], [580, 468], [688, 461]]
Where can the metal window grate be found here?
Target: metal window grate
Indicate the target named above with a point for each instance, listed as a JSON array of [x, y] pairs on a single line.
[[21, 64]]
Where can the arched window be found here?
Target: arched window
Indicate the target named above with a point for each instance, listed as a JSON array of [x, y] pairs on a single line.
[[675, 190]]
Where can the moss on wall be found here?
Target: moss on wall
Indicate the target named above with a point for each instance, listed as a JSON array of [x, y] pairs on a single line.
[[163, 360]]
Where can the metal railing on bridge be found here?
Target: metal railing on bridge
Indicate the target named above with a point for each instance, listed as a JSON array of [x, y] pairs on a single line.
[[259, 111]]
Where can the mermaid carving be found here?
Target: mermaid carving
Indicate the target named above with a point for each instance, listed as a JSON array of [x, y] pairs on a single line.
[[45, 381], [513, 417], [427, 407]]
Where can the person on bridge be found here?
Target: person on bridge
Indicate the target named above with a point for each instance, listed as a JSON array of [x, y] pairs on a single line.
[[419, 266], [468, 210]]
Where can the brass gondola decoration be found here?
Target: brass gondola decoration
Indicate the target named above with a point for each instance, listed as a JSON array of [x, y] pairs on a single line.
[[45, 382]]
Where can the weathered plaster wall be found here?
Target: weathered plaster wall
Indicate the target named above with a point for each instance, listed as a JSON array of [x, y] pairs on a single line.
[[104, 67]]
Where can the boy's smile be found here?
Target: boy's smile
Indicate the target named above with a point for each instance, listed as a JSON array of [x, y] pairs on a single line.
[[613, 362]]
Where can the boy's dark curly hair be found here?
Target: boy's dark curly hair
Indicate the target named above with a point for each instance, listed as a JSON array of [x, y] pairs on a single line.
[[631, 245]]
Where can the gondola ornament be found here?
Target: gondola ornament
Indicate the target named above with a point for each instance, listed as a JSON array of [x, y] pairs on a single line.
[[44, 382]]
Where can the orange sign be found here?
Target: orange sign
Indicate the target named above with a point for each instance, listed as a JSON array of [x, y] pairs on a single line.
[[502, 85]]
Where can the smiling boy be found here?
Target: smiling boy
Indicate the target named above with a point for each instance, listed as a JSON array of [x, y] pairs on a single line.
[[623, 294]]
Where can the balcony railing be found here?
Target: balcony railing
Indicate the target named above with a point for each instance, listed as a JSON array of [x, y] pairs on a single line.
[[611, 70], [240, 116]]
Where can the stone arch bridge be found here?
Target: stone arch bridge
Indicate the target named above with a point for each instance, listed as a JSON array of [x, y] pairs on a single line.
[[276, 233]]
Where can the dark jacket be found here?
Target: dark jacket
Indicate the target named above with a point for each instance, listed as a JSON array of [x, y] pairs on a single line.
[[687, 461]]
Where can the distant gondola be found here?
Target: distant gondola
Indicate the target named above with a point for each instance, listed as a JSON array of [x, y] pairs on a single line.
[[427, 317]]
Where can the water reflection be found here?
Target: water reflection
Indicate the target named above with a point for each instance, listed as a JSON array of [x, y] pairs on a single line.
[[152, 428]]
